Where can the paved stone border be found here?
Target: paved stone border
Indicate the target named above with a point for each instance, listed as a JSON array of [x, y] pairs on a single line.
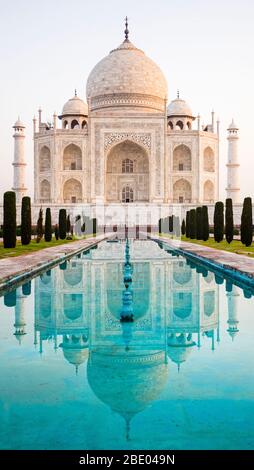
[[239, 267], [14, 270]]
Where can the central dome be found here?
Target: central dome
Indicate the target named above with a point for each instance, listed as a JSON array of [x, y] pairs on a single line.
[[126, 78]]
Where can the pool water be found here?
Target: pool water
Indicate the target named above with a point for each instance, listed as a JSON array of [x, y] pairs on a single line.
[[180, 376]]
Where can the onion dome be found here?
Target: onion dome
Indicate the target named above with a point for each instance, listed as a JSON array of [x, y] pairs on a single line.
[[74, 107], [179, 107], [126, 78]]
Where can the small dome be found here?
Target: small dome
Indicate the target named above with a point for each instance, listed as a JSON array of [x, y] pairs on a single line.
[[126, 78], [179, 107], [233, 126], [19, 123], [75, 107]]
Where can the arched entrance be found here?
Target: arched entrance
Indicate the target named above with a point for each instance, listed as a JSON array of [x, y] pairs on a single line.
[[127, 173]]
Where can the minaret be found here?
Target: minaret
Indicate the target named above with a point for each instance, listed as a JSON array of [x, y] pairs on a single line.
[[19, 163], [20, 315], [233, 312], [233, 186]]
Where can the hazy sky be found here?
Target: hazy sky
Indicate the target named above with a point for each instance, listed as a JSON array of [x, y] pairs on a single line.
[[206, 49]]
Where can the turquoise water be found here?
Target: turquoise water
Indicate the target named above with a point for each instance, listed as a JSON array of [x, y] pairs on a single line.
[[72, 376]]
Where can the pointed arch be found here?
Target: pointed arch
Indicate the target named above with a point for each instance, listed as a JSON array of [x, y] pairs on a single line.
[[45, 191], [72, 191], [209, 160], [208, 191], [182, 158], [182, 191], [72, 157]]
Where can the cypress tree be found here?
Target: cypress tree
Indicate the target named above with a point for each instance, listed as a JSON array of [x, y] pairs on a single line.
[[218, 221], [183, 227], [26, 224], [205, 223], [193, 224], [62, 224], [94, 227], [170, 223], [246, 222], [48, 226], [56, 232], [39, 228], [199, 223], [188, 224], [68, 224], [159, 226], [9, 226], [229, 221]]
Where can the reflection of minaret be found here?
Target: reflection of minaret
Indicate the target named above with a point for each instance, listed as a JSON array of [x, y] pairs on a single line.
[[20, 315], [232, 312]]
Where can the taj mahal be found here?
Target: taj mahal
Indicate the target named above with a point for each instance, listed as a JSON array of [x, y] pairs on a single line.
[[126, 145]]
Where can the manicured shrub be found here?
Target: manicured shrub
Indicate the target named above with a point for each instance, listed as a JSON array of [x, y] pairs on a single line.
[[205, 224], [188, 224], [176, 226], [62, 224], [199, 223], [159, 226], [48, 226], [56, 230], [246, 222], [26, 223], [229, 221], [183, 227], [68, 224], [26, 288], [170, 224], [39, 228], [10, 298], [193, 224], [9, 226], [218, 221], [94, 226]]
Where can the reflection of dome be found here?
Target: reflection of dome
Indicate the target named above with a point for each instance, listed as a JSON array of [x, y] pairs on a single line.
[[75, 349], [179, 347], [179, 107], [126, 77], [75, 107], [127, 382]]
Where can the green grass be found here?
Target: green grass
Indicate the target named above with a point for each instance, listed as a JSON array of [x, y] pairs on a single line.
[[33, 246], [234, 247]]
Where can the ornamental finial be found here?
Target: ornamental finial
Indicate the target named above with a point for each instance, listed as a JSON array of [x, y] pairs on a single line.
[[75, 92], [126, 31], [178, 94]]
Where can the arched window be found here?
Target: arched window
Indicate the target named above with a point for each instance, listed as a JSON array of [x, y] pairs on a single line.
[[44, 159], [182, 158], [182, 191], [84, 125], [65, 125], [209, 164], [72, 158], [188, 125], [170, 125], [72, 191], [208, 191], [45, 191], [127, 194], [179, 126], [127, 166], [74, 124]]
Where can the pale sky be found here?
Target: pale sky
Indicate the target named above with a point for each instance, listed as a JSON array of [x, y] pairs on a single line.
[[205, 49]]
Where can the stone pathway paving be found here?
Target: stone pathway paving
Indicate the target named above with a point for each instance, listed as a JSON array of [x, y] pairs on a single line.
[[229, 261], [17, 268]]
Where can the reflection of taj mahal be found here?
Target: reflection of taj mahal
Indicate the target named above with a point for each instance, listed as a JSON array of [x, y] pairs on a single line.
[[176, 311], [126, 144]]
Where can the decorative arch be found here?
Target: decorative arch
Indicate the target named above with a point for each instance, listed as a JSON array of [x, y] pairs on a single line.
[[182, 304], [209, 160], [182, 158], [209, 303], [65, 124], [44, 159], [72, 157], [170, 125], [84, 124], [74, 124], [72, 191], [73, 306], [208, 191], [127, 166], [182, 191], [45, 192], [179, 126]]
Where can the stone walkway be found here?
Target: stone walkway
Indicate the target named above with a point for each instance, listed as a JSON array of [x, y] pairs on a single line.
[[237, 264], [16, 269]]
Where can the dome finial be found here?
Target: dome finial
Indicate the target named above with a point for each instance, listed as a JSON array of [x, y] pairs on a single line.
[[178, 94], [126, 31], [75, 91]]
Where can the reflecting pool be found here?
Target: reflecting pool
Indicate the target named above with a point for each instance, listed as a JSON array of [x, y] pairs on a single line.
[[180, 376]]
